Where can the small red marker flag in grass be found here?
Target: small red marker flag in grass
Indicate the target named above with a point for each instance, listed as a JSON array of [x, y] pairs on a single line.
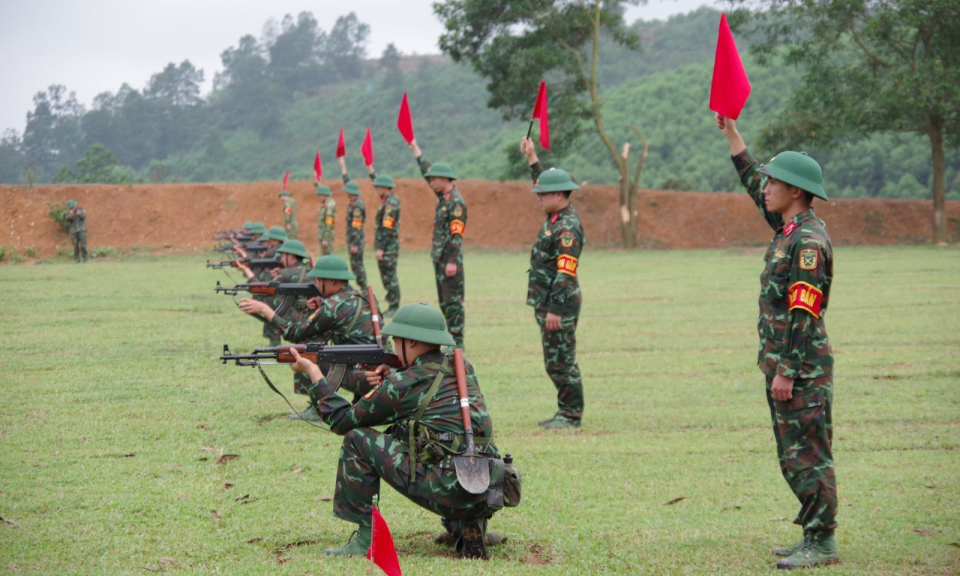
[[405, 120], [341, 147], [367, 148], [382, 551], [540, 113], [317, 167], [731, 87], [286, 178]]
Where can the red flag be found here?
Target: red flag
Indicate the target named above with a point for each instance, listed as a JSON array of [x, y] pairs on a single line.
[[540, 111], [317, 168], [382, 551], [286, 178], [405, 121], [341, 147], [731, 87], [367, 148]]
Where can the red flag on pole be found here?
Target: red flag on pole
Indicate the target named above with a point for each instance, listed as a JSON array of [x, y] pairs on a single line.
[[405, 121], [367, 148], [317, 168], [382, 551], [341, 147], [731, 87], [286, 178], [540, 112]]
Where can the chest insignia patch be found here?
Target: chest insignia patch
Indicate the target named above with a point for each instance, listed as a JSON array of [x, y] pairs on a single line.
[[808, 259], [779, 253], [566, 239]]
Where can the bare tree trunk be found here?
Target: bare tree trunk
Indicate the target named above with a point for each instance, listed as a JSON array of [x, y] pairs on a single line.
[[935, 131], [628, 202]]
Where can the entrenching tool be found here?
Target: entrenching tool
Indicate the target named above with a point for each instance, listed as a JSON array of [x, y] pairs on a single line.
[[374, 316], [473, 470]]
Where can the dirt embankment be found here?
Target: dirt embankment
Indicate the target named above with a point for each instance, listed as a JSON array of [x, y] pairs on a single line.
[[500, 215]]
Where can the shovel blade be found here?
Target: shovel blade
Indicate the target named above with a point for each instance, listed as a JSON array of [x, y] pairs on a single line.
[[473, 473]]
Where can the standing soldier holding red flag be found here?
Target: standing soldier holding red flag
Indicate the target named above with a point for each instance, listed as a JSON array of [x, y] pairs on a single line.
[[386, 241], [449, 224], [554, 290], [289, 212], [795, 353], [356, 216]]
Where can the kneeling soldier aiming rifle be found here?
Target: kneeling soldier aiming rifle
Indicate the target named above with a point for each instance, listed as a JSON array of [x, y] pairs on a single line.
[[433, 405]]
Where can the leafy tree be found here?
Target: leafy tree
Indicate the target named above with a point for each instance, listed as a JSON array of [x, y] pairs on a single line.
[[515, 43], [390, 66], [347, 45], [11, 157], [295, 53], [869, 67], [97, 165], [178, 86], [52, 133]]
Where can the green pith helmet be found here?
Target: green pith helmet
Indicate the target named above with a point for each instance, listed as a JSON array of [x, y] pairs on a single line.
[[797, 169], [247, 225], [258, 228], [554, 180], [284, 193], [294, 247], [384, 181], [71, 203], [351, 187], [275, 233], [419, 322], [323, 190], [441, 170], [331, 267]]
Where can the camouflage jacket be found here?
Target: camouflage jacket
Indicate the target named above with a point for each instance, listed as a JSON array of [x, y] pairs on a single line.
[[343, 318], [387, 237], [398, 397], [794, 287], [77, 220], [290, 215], [325, 221], [555, 260], [449, 224]]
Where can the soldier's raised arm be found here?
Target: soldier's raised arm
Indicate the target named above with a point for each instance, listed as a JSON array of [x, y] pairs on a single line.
[[748, 168], [530, 153]]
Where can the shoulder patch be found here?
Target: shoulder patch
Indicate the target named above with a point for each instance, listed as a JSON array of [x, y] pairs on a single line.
[[566, 239], [458, 211], [808, 259]]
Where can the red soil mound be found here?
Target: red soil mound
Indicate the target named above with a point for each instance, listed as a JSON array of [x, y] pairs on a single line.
[[501, 215]]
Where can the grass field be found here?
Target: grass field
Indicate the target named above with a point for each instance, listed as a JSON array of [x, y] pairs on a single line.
[[114, 411]]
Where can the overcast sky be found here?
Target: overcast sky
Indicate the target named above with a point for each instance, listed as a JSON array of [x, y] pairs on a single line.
[[92, 46]]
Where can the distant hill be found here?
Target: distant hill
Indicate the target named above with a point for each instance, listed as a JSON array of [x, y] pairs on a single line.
[[663, 90]]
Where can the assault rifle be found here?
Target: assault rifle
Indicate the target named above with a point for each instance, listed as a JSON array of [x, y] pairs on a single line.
[[250, 247], [336, 360], [290, 292], [239, 235], [255, 264]]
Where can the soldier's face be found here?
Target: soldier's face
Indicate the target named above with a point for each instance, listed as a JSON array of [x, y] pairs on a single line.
[[382, 191], [550, 202], [441, 185], [777, 195]]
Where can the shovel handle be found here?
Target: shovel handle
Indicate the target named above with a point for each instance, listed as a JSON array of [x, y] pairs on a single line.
[[461, 371], [374, 313]]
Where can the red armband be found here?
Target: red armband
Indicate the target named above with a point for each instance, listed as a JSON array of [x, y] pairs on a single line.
[[567, 264], [806, 297], [457, 227]]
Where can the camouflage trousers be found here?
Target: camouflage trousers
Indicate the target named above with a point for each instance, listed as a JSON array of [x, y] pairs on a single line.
[[803, 429], [450, 293], [560, 359], [79, 240], [356, 266], [367, 456], [321, 236], [388, 274], [291, 231]]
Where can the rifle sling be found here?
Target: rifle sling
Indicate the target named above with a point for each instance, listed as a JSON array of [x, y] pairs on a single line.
[[274, 388]]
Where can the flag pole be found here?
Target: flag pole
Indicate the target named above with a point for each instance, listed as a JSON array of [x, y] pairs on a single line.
[[530, 129]]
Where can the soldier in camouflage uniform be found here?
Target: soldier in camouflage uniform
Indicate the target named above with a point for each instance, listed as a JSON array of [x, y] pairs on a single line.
[[274, 238], [420, 401], [295, 262], [795, 353], [289, 214], [554, 289], [386, 242], [356, 216], [76, 218], [342, 316], [449, 225], [326, 219]]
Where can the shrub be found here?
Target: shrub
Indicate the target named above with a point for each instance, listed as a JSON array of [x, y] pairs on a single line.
[[31, 251], [58, 211], [103, 252]]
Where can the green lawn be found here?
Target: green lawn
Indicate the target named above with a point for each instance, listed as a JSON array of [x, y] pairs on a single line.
[[114, 411]]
